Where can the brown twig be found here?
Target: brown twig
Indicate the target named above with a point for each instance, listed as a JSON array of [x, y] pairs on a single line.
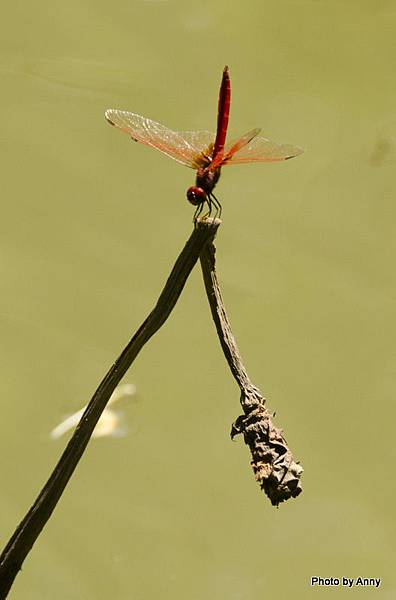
[[29, 529], [272, 461]]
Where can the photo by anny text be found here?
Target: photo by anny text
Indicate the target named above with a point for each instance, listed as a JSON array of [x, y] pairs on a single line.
[[346, 582]]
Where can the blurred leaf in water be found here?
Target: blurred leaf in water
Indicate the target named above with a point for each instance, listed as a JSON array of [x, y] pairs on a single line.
[[111, 422]]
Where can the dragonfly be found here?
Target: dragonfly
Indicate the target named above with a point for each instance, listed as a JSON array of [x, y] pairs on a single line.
[[203, 151]]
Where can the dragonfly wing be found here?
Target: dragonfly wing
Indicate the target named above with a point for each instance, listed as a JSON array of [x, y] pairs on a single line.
[[260, 149], [203, 143], [233, 147], [181, 146]]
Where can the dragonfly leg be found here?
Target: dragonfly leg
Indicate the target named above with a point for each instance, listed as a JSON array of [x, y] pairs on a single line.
[[217, 206], [210, 204], [198, 211], [208, 201]]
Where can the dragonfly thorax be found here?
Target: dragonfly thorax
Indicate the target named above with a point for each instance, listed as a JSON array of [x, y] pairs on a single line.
[[205, 182]]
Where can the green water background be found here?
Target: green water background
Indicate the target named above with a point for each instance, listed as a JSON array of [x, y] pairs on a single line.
[[90, 227]]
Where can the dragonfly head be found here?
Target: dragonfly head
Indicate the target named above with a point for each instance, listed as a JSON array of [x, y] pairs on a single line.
[[196, 195]]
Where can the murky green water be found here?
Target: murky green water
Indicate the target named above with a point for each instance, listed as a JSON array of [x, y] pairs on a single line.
[[90, 227]]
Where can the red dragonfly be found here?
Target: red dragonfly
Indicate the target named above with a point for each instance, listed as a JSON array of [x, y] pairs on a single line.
[[197, 150]]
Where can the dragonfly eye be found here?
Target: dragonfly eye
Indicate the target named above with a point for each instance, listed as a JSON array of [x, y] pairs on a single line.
[[196, 195]]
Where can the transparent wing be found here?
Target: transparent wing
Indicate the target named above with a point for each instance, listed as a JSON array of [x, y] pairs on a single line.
[[232, 148], [186, 147], [250, 148]]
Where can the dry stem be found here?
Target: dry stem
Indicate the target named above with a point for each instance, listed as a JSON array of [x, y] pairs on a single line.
[[272, 461]]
